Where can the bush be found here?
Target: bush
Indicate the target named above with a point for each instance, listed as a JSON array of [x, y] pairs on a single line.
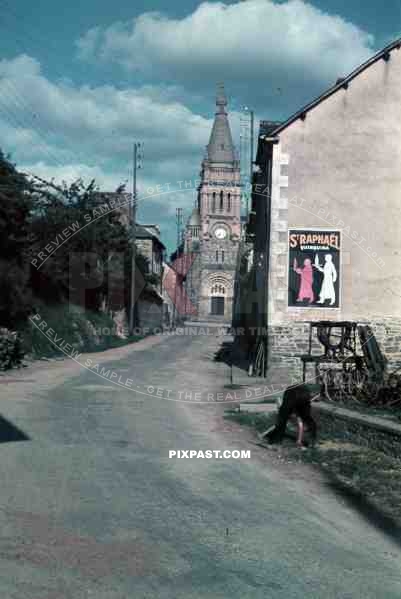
[[11, 349]]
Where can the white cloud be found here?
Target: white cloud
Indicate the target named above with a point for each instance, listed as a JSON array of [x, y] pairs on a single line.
[[87, 44], [274, 44], [62, 131], [71, 172], [97, 123]]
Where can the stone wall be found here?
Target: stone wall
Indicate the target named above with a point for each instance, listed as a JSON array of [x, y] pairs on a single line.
[[287, 341], [150, 314]]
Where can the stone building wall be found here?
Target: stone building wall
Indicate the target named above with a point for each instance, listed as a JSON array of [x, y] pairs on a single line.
[[150, 314], [212, 269], [192, 288], [286, 342], [145, 247], [340, 168]]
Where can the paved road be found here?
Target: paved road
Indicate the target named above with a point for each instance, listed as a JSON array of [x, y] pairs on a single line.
[[91, 505]]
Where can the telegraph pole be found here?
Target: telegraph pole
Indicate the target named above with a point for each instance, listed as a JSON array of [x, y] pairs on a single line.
[[132, 303], [251, 150], [246, 154], [178, 220]]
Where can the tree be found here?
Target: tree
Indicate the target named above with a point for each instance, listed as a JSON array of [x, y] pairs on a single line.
[[15, 207], [34, 215], [97, 235], [101, 238]]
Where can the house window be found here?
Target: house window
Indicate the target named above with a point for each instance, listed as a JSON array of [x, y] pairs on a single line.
[[214, 202], [221, 200], [229, 202], [217, 255], [222, 256]]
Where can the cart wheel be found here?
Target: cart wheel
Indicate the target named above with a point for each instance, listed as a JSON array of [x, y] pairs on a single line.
[[328, 383], [358, 381]]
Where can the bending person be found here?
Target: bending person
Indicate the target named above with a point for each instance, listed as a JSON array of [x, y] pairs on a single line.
[[297, 401]]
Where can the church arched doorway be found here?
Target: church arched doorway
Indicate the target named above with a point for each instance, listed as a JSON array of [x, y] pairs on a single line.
[[217, 299]]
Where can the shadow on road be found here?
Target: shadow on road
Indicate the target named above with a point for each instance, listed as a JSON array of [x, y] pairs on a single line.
[[360, 503], [9, 433]]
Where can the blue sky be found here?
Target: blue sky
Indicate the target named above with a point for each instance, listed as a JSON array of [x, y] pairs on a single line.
[[79, 83]]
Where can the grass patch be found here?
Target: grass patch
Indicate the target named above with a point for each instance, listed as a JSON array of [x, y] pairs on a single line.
[[393, 414], [260, 422], [373, 475], [84, 330], [356, 459]]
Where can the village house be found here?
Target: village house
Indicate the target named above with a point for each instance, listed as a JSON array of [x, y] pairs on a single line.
[[151, 247], [326, 216], [150, 304]]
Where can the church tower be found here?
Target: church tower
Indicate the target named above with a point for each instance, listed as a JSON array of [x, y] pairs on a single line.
[[219, 206]]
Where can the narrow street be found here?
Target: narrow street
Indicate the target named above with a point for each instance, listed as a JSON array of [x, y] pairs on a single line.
[[92, 506]]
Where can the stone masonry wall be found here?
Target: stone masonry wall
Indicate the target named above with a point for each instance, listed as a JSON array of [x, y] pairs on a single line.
[[150, 314], [288, 341]]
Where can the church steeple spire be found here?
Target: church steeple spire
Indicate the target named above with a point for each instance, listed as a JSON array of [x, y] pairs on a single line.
[[221, 147], [214, 230], [221, 100]]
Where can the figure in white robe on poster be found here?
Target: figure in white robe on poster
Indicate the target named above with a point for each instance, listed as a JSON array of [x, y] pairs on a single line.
[[327, 291]]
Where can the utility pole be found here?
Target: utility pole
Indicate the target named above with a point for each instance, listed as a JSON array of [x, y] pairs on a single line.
[[246, 155], [178, 221], [251, 152], [184, 267], [132, 303]]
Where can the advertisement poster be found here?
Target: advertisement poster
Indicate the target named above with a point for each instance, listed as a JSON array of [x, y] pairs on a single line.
[[314, 268]]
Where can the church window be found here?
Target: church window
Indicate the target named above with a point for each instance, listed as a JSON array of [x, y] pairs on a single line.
[[218, 289], [221, 200], [229, 202], [222, 256], [214, 202], [217, 255]]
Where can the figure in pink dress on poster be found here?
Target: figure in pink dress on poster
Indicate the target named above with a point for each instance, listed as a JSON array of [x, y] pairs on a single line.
[[306, 274]]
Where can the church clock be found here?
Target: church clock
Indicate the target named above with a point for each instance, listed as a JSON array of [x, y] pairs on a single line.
[[220, 233]]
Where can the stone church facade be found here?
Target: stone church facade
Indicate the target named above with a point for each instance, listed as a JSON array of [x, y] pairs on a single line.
[[212, 234]]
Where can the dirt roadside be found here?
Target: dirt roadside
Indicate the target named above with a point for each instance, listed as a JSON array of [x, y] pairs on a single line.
[[47, 374]]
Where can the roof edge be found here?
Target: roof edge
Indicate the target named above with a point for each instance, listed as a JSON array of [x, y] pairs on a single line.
[[342, 83], [143, 233]]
